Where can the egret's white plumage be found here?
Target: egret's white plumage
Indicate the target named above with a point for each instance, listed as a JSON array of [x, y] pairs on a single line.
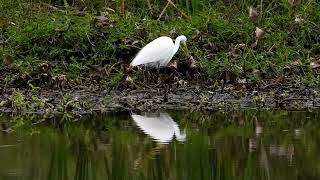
[[162, 128], [159, 52]]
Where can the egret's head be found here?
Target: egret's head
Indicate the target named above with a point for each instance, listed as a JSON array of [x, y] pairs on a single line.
[[183, 39], [182, 136]]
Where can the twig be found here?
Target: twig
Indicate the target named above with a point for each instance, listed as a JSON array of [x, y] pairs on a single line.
[[149, 5], [5, 87], [269, 86], [143, 91], [164, 9], [52, 7], [66, 5], [169, 1], [292, 99], [271, 47], [261, 4], [108, 72], [121, 7], [89, 40]]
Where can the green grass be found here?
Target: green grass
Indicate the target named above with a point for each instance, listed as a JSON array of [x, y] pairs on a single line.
[[73, 42]]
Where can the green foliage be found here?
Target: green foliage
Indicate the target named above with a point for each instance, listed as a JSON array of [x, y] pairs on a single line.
[[18, 101], [51, 36], [72, 40]]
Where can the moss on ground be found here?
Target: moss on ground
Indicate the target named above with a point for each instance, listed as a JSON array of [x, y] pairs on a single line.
[[46, 45]]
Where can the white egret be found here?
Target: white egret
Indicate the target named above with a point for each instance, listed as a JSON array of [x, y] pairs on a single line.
[[161, 128], [159, 52]]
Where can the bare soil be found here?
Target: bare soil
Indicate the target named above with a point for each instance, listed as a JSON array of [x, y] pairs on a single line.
[[81, 100]]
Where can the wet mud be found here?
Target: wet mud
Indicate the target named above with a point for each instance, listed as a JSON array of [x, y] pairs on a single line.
[[83, 100]]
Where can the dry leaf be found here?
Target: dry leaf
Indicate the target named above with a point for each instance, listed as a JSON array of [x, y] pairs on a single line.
[[298, 20], [294, 2], [292, 65], [242, 81], [280, 79], [256, 73], [43, 67], [196, 36], [109, 9], [8, 60], [60, 80], [315, 64], [23, 76], [102, 21], [253, 14], [129, 79], [242, 45], [259, 33], [193, 63], [79, 13], [62, 77], [135, 42], [182, 82], [254, 44], [58, 30], [101, 18], [296, 63], [174, 64], [4, 23], [234, 52]]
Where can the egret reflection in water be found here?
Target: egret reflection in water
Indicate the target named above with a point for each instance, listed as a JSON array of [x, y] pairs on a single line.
[[160, 127]]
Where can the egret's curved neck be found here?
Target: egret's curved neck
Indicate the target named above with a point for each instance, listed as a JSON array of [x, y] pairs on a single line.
[[176, 44], [180, 136]]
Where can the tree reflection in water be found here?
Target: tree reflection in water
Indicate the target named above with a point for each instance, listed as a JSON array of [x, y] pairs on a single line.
[[239, 145]]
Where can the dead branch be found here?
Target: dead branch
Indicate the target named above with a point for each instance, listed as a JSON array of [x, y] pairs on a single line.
[[170, 2]]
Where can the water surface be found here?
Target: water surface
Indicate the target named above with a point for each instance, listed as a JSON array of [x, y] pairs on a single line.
[[167, 145]]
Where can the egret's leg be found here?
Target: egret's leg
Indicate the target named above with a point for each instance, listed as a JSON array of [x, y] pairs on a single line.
[[144, 74], [148, 73], [158, 69]]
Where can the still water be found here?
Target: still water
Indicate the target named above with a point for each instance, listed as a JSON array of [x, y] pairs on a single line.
[[168, 145]]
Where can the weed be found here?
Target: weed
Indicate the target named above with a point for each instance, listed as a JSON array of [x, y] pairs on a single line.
[[18, 101], [221, 38]]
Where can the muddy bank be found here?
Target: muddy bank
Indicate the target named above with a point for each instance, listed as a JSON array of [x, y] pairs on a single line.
[[90, 99]]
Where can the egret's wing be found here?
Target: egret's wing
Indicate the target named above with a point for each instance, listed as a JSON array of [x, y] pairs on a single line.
[[154, 127], [166, 117], [159, 49]]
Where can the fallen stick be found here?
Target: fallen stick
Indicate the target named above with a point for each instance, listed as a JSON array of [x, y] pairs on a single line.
[[52, 7], [164, 9], [170, 2]]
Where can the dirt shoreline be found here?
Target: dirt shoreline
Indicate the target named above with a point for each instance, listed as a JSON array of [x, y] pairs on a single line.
[[82, 100]]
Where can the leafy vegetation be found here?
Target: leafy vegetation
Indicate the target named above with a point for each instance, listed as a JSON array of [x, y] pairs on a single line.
[[62, 43]]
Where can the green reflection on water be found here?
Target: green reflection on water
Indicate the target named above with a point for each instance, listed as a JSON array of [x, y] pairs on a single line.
[[239, 145]]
